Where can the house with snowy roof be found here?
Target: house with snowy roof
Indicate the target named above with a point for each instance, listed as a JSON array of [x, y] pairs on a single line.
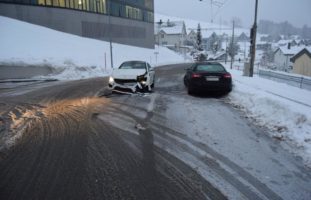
[[243, 37], [171, 34], [282, 56], [283, 42], [192, 38], [302, 62]]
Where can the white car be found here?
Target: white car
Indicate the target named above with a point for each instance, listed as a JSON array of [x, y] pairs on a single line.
[[132, 75]]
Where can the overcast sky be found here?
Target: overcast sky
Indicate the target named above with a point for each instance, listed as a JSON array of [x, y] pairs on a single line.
[[297, 12]]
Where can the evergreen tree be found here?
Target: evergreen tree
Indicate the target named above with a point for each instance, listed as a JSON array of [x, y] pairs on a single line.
[[233, 48], [214, 43], [199, 38]]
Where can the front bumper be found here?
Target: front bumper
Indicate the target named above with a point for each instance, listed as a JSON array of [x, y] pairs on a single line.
[[132, 86]]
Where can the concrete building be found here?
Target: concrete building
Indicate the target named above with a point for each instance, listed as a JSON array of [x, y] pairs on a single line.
[[127, 22], [302, 62]]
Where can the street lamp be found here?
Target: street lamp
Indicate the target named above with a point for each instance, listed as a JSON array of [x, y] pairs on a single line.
[[156, 53], [110, 40]]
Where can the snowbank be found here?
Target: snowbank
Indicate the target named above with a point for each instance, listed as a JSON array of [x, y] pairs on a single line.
[[284, 109], [71, 57]]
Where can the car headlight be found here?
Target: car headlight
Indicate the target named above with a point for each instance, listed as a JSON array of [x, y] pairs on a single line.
[[111, 80], [141, 79]]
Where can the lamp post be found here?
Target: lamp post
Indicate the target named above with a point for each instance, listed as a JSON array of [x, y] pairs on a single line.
[[110, 40], [156, 53], [253, 42]]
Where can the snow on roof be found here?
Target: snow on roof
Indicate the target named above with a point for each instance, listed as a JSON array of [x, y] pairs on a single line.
[[207, 28], [174, 27], [306, 50], [292, 50], [262, 42], [284, 42], [216, 55]]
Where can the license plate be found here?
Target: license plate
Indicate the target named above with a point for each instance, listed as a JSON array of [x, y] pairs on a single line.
[[212, 78], [128, 84]]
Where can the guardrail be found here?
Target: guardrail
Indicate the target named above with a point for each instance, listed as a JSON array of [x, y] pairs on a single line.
[[301, 82]]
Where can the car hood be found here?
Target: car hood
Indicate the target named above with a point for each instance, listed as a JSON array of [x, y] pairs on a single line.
[[127, 73]]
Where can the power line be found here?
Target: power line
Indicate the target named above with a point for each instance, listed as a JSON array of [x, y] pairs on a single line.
[[218, 3]]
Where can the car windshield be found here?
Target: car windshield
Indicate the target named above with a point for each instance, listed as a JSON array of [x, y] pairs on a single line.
[[133, 65], [210, 68]]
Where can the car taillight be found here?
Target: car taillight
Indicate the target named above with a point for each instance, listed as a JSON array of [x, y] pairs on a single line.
[[227, 76], [195, 75]]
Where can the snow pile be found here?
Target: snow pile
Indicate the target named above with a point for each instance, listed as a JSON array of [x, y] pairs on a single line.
[[284, 109], [70, 56]]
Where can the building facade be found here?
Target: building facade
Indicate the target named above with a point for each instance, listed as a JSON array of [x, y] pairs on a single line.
[[302, 62], [283, 55], [122, 21]]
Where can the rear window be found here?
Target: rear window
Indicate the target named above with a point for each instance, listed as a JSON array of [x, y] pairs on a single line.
[[210, 68], [133, 65]]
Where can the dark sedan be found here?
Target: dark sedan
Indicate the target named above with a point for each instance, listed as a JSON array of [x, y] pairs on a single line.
[[207, 76]]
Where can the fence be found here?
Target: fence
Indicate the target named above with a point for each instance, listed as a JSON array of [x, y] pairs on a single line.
[[301, 82]]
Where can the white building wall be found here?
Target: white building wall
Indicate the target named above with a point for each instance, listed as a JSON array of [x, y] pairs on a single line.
[[282, 61]]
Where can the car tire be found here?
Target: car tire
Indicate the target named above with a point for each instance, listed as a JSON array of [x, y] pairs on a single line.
[[190, 91], [185, 82]]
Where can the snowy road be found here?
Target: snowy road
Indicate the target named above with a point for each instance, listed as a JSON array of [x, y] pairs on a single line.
[[73, 144]]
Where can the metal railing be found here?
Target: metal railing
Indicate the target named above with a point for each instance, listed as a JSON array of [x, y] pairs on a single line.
[[301, 82]]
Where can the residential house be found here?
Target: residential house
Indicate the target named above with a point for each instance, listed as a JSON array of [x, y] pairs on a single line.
[[264, 46], [266, 38], [219, 56], [172, 34], [302, 62], [243, 37], [283, 42], [192, 38], [282, 57]]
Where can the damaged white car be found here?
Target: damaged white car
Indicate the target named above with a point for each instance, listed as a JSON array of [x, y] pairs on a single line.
[[134, 76]]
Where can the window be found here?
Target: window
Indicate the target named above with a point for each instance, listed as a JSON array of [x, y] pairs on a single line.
[[133, 65], [133, 13], [133, 9], [210, 68]]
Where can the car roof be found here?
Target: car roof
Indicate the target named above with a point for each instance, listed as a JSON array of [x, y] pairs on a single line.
[[207, 63], [137, 61]]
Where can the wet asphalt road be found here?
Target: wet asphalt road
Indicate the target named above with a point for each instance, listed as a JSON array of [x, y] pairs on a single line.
[[74, 143]]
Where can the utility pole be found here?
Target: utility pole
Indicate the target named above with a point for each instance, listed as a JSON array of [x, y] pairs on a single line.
[[232, 47], [253, 43], [212, 11]]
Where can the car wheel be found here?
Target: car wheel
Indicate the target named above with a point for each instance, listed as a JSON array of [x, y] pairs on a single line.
[[152, 85], [185, 81], [229, 90], [190, 90]]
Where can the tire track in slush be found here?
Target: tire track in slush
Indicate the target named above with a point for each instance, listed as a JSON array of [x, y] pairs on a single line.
[[47, 159], [153, 182], [163, 156], [165, 132]]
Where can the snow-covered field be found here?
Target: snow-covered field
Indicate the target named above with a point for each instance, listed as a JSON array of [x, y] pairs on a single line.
[[284, 109]]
